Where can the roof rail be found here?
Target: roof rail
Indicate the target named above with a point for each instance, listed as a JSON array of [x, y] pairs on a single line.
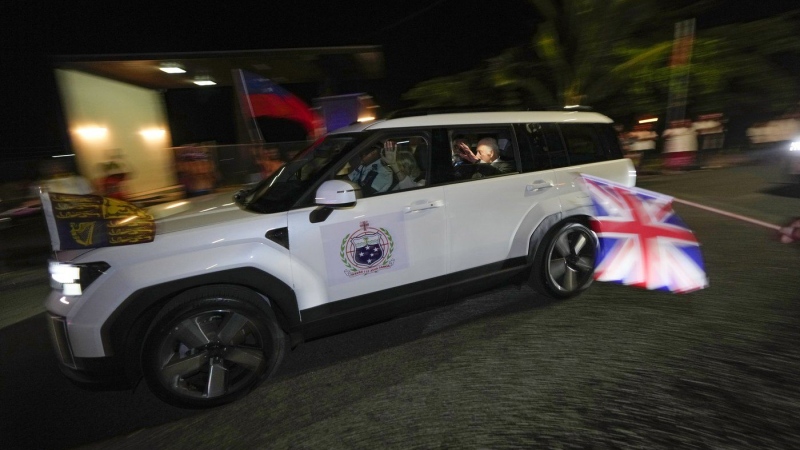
[[573, 108], [412, 112]]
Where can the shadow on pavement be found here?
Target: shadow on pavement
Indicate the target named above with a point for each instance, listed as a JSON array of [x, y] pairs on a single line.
[[42, 409], [784, 190]]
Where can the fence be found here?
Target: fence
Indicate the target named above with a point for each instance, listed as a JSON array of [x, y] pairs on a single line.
[[199, 168], [203, 166]]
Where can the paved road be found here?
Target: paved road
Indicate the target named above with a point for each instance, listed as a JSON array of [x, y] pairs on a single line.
[[614, 368]]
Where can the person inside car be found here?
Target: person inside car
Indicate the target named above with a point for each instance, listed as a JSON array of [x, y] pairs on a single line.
[[370, 172], [455, 149], [403, 164], [487, 152]]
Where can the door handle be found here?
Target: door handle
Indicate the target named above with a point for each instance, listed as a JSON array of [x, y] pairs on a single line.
[[538, 184], [424, 206]]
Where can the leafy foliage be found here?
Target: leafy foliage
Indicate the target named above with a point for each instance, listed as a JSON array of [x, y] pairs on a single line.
[[615, 56]]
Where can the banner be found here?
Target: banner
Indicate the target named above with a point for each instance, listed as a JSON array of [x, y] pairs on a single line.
[[91, 221]]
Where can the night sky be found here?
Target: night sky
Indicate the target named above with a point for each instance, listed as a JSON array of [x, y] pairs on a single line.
[[421, 39]]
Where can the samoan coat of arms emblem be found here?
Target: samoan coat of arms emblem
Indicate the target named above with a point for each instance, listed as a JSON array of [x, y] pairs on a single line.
[[366, 250]]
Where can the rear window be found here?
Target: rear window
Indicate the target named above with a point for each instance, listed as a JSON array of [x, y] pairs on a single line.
[[541, 147], [590, 142]]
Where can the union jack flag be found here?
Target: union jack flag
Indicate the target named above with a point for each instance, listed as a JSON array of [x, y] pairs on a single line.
[[642, 241]]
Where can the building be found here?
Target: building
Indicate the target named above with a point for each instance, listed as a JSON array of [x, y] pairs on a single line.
[[129, 112]]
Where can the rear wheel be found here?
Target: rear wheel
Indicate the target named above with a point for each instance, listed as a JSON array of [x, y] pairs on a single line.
[[564, 263], [211, 346]]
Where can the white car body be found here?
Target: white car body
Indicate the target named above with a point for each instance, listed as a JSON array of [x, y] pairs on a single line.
[[442, 234]]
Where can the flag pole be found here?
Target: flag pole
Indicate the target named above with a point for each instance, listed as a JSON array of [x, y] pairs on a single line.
[[729, 214], [246, 108]]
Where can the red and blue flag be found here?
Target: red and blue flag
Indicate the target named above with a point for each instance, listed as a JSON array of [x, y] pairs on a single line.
[[642, 240], [269, 99]]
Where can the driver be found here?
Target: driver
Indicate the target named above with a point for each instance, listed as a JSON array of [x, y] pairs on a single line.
[[370, 172]]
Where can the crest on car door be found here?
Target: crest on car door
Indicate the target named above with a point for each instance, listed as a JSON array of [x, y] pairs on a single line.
[[369, 248], [366, 247]]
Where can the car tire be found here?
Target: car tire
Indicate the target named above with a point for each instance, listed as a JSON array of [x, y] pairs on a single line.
[[564, 263], [210, 346]]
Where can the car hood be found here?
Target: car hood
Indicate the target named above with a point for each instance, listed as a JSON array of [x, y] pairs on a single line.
[[196, 212]]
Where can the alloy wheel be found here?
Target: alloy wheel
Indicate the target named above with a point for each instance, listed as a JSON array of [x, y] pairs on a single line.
[[210, 354], [570, 259]]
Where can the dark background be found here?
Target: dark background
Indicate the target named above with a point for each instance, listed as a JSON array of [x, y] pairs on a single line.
[[421, 39]]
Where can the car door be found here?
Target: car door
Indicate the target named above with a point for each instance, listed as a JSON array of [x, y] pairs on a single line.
[[384, 241], [490, 218]]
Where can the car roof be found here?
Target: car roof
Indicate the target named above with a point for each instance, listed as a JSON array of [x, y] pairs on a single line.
[[479, 118]]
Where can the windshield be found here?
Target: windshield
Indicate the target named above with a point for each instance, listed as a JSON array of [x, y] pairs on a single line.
[[287, 185]]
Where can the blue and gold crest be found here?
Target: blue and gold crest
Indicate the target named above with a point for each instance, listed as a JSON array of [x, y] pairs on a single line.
[[92, 221]]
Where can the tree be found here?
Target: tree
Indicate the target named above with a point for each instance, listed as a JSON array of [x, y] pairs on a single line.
[[614, 55]]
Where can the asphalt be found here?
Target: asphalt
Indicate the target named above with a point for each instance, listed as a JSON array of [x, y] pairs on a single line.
[[23, 278]]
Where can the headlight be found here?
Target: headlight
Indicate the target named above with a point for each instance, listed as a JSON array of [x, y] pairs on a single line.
[[794, 146], [73, 279]]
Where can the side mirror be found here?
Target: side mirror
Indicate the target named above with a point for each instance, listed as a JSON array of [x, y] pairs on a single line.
[[239, 196], [336, 193]]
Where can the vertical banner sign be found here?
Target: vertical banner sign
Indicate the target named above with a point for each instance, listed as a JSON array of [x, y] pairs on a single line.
[[680, 64]]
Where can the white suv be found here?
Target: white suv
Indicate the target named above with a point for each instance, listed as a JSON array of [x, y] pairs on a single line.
[[343, 235]]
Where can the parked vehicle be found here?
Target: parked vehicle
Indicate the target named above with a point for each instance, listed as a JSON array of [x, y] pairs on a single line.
[[329, 242]]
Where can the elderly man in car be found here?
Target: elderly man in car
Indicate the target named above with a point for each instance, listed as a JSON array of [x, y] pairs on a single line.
[[487, 152]]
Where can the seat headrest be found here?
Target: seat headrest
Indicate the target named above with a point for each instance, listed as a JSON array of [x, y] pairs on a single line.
[[505, 148]]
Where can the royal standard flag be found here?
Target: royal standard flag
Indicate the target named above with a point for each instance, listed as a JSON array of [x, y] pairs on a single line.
[[91, 221]]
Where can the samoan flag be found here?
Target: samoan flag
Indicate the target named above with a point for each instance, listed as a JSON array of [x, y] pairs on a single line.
[[642, 241], [270, 99]]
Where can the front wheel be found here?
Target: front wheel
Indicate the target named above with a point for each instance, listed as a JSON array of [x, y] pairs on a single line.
[[211, 346], [564, 263]]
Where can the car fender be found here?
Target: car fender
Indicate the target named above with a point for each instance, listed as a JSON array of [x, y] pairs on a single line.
[[261, 266], [536, 217]]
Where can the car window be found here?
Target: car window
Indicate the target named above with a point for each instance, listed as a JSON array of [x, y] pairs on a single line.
[[541, 147], [609, 140], [411, 161], [492, 152], [583, 144], [287, 185], [389, 163]]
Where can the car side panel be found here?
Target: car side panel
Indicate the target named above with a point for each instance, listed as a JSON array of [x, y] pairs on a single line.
[[415, 220], [490, 219], [573, 199], [236, 246]]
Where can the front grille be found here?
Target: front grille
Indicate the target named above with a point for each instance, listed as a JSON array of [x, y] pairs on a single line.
[[58, 333]]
